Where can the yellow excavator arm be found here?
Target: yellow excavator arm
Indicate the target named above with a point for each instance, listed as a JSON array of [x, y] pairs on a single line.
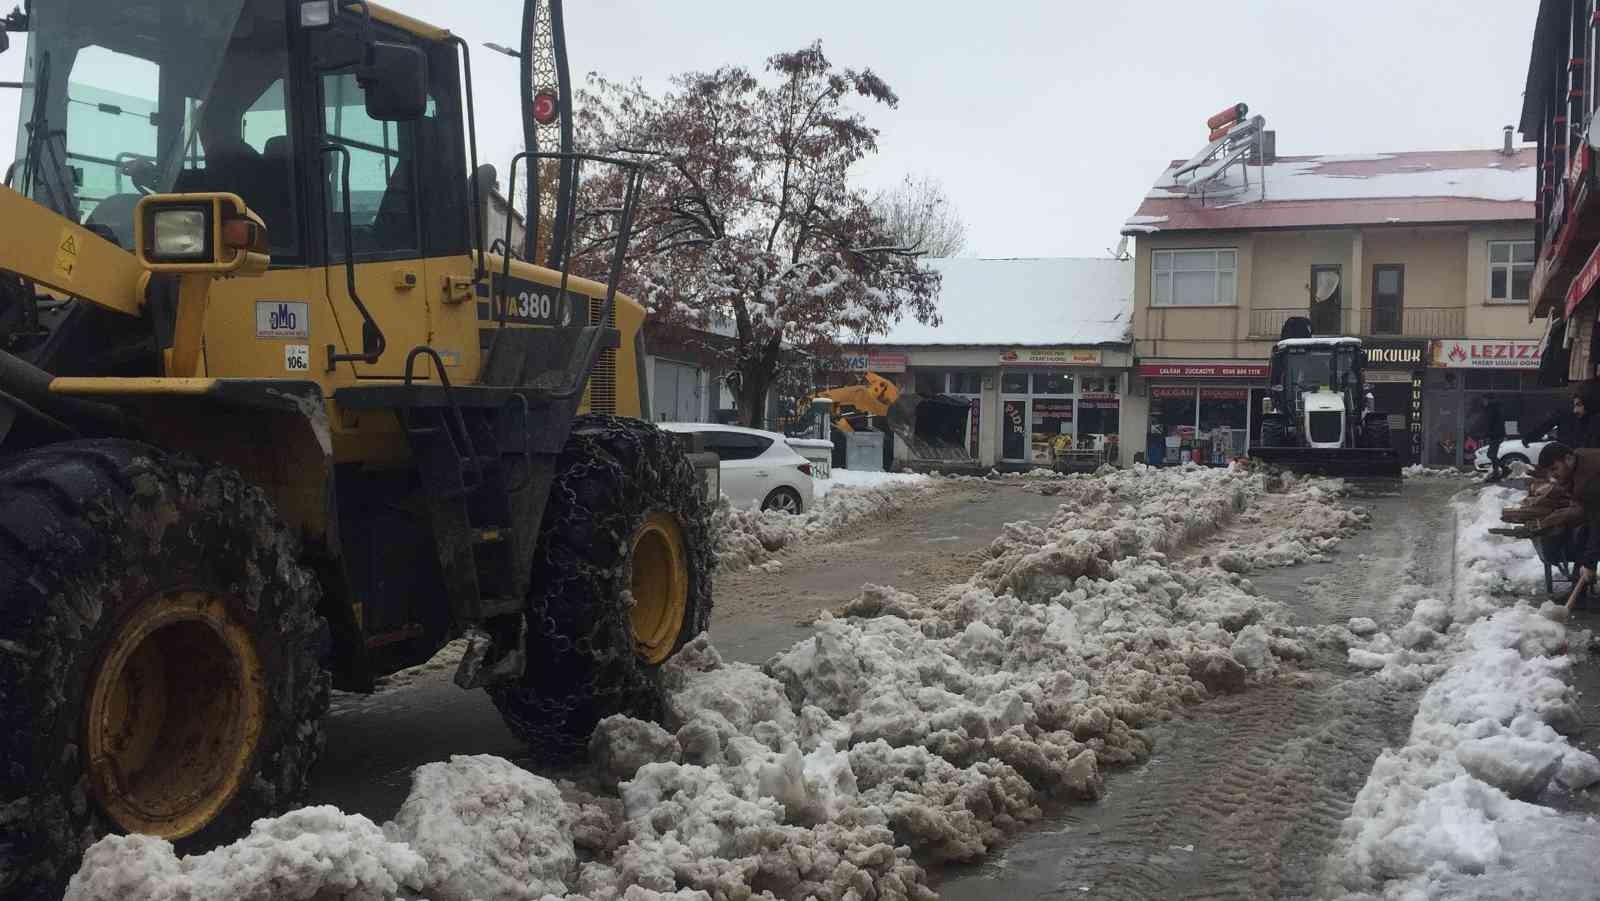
[[873, 398]]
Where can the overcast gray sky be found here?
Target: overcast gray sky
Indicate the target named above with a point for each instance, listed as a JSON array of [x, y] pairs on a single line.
[[1047, 121]]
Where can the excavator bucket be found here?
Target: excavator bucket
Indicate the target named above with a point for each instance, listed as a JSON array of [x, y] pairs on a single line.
[[1370, 468], [933, 426]]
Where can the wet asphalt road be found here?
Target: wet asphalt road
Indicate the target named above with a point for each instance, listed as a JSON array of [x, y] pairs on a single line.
[[375, 741]]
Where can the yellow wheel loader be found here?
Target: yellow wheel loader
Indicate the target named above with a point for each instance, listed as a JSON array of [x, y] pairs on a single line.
[[273, 420]]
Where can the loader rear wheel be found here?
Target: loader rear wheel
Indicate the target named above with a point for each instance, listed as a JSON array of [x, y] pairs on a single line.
[[621, 580], [158, 668]]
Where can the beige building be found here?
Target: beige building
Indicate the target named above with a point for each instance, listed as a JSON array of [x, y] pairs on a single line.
[[1425, 256]]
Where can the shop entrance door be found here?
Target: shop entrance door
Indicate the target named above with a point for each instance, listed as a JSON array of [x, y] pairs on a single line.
[[1014, 430]]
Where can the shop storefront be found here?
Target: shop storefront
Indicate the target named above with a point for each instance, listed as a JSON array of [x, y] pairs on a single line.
[[1204, 412], [1395, 374], [1464, 375], [1034, 406], [1059, 408]]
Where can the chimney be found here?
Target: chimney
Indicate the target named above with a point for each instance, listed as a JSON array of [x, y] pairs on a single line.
[[1507, 148]]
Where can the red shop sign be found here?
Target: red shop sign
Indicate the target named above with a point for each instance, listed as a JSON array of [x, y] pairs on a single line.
[[1181, 391], [1204, 370]]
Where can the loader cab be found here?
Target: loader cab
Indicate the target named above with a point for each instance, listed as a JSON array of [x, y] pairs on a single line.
[[171, 96]]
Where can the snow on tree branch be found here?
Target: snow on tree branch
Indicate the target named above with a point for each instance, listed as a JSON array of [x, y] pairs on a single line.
[[750, 214]]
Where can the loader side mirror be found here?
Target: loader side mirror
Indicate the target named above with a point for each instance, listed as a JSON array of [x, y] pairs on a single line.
[[394, 78]]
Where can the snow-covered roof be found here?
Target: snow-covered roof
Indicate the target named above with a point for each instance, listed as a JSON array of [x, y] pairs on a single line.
[[1026, 302], [1355, 189], [1317, 342]]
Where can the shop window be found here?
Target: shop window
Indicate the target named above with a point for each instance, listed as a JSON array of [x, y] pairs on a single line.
[[1494, 380], [966, 383], [929, 381], [1014, 382], [1099, 419], [1510, 271], [1100, 385], [1052, 382], [1052, 430], [1172, 423], [1224, 416]]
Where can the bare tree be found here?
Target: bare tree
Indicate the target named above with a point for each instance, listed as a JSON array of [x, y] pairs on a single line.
[[920, 214], [750, 215]]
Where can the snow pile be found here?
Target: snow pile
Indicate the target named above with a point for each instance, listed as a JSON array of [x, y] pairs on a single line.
[[912, 734], [1450, 811], [927, 733], [1418, 471], [747, 537], [1147, 509], [306, 853], [855, 478], [487, 829]]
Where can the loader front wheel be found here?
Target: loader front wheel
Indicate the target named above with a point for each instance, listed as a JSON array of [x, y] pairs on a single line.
[[158, 668], [621, 580]]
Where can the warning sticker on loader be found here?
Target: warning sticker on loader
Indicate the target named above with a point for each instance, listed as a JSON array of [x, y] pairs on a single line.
[[283, 319], [297, 357], [67, 253]]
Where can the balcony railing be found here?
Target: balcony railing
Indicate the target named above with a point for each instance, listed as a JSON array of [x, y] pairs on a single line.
[[1409, 322]]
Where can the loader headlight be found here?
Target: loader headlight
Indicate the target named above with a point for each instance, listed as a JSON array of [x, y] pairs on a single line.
[[200, 232], [179, 234]]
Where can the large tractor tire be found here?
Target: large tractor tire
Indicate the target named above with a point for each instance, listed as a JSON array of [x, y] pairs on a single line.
[[158, 669], [621, 580]]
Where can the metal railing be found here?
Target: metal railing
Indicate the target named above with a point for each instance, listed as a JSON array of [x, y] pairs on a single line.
[[1407, 322]]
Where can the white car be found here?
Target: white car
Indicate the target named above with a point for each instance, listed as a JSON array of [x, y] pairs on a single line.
[[1512, 450], [758, 467]]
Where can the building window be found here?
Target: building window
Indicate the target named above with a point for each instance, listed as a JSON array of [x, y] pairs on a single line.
[[1510, 271], [1388, 298], [1193, 278]]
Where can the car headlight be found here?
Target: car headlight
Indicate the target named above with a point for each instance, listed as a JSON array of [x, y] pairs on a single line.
[[180, 234]]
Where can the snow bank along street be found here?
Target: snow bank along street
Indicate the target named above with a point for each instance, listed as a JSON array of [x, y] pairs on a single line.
[[1456, 811], [914, 731], [751, 537]]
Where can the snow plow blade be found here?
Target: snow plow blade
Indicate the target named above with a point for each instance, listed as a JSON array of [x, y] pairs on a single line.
[[1373, 465], [933, 427]]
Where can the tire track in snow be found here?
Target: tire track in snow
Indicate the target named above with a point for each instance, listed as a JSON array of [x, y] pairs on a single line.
[[1257, 783]]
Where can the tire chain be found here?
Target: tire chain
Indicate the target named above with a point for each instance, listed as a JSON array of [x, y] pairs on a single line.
[[585, 666]]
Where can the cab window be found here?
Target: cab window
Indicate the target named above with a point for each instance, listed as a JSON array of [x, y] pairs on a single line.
[[383, 212]]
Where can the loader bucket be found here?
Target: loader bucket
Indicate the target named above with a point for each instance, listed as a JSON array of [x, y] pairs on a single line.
[[933, 426], [1375, 469]]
